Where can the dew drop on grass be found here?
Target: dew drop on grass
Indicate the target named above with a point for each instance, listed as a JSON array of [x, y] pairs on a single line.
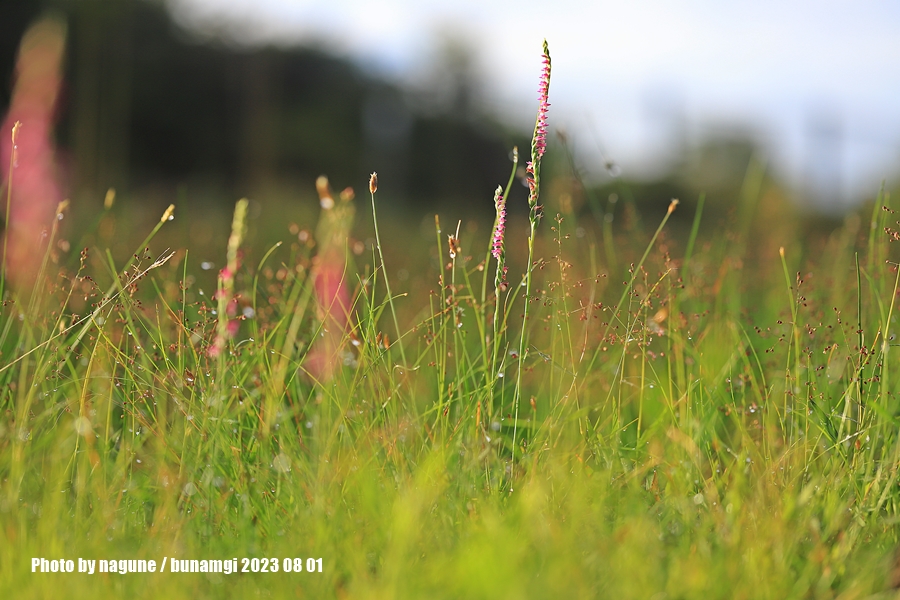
[[82, 426]]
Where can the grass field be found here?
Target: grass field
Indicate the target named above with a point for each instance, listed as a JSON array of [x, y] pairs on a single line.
[[709, 411]]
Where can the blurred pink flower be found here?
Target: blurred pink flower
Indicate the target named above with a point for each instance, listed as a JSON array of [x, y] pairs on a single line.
[[35, 191], [331, 278]]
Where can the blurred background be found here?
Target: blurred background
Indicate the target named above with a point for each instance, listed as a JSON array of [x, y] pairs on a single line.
[[205, 101]]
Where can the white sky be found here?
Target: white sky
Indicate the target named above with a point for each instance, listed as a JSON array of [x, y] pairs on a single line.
[[620, 67]]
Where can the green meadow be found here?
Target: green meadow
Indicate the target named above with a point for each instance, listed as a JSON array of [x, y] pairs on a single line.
[[680, 403]]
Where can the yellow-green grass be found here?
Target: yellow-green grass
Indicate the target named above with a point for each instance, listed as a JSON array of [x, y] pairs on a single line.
[[704, 418]]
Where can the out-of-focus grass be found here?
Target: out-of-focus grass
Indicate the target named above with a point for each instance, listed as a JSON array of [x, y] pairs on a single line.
[[712, 421]]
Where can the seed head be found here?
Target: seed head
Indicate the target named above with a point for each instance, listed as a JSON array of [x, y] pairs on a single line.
[[168, 214], [373, 183], [453, 243], [325, 199]]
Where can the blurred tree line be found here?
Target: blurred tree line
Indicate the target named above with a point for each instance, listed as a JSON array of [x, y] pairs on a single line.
[[146, 103], [160, 112]]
